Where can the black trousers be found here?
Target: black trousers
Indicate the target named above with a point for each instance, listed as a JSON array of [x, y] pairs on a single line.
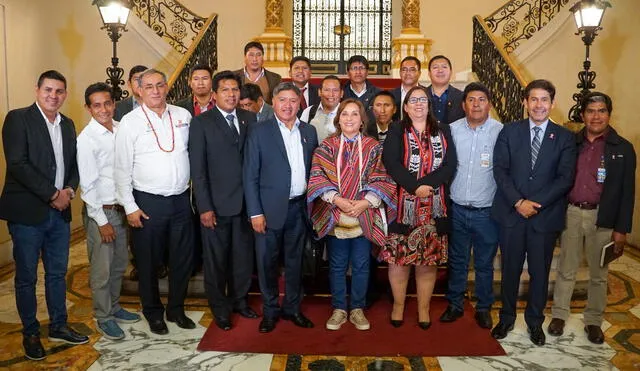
[[228, 263], [517, 243], [291, 239], [169, 227]]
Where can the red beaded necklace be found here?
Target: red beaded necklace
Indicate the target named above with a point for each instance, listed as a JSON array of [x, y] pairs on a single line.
[[173, 134]]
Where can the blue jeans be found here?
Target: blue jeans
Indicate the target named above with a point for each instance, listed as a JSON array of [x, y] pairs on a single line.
[[51, 240], [472, 228], [341, 252]]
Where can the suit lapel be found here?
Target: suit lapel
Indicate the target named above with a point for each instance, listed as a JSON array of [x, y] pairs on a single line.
[[223, 125], [306, 146], [242, 121], [547, 142], [42, 129], [67, 138], [277, 138]]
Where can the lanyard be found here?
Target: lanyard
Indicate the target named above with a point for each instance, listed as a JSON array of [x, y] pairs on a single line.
[[173, 134]]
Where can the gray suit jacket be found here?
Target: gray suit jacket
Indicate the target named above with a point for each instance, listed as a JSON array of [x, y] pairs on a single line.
[[266, 113], [123, 107]]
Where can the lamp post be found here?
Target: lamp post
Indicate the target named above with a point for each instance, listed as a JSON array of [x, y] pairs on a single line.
[[588, 15], [114, 15]]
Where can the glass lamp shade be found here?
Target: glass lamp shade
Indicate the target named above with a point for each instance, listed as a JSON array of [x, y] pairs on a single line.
[[588, 14], [114, 12]]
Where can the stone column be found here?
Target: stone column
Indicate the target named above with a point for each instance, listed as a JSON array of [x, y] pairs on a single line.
[[277, 45], [410, 41]]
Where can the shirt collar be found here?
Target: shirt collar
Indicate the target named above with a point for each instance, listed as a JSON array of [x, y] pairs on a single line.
[[195, 100], [281, 124], [225, 113], [479, 127], [246, 74], [347, 140], [55, 122], [99, 129], [335, 110], [542, 126], [150, 112]]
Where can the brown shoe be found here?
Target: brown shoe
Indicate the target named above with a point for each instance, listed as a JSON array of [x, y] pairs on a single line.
[[594, 334], [556, 327]]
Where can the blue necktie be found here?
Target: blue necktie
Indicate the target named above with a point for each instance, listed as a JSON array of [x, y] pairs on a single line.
[[230, 119], [535, 145]]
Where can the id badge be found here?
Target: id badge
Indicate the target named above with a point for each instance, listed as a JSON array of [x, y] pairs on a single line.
[[601, 175], [485, 160]]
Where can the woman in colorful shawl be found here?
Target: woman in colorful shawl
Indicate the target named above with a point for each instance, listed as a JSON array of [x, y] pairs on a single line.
[[350, 198], [419, 156]]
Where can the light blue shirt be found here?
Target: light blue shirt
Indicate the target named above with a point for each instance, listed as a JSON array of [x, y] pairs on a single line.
[[295, 154], [542, 126], [473, 184]]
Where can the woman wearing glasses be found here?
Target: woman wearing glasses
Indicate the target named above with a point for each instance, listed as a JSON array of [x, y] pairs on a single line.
[[348, 192], [419, 156]]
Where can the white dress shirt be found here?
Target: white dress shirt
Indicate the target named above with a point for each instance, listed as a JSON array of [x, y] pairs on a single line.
[[55, 133], [295, 154], [96, 146], [142, 161], [235, 117]]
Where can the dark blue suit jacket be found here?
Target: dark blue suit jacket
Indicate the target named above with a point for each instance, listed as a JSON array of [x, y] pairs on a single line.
[[266, 172], [548, 183]]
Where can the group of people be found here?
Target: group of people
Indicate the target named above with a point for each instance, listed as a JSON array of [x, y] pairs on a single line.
[[249, 168]]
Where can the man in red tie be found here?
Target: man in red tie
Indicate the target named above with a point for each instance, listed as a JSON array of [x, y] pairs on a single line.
[[300, 73]]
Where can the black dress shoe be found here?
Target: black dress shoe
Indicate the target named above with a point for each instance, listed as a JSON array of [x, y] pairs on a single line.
[[396, 322], [556, 327], [424, 325], [298, 319], [451, 314], [267, 325], [182, 321], [246, 312], [67, 335], [536, 335], [594, 334], [223, 323], [483, 319], [33, 348], [501, 330], [158, 326]]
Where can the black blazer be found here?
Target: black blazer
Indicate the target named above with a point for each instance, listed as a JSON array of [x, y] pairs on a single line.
[[187, 103], [314, 98], [216, 156], [454, 109], [548, 183], [31, 166]]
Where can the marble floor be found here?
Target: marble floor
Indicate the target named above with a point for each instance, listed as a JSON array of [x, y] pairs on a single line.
[[142, 350]]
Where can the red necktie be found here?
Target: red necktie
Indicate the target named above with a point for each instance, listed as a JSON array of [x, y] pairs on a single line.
[[303, 101]]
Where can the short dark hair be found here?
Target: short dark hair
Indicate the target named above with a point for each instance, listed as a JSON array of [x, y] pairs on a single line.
[[411, 58], [53, 75], [358, 59], [298, 59], [330, 77], [593, 97], [136, 69], [225, 75], [250, 91], [476, 86], [540, 84], [385, 93], [98, 87], [363, 116], [439, 57], [287, 85], [200, 67], [253, 44]]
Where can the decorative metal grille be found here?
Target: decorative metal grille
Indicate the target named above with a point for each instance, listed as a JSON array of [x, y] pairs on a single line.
[[330, 31], [518, 20], [171, 21]]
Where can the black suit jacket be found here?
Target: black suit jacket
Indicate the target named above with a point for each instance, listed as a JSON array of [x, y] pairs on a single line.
[[548, 183], [31, 166], [216, 157], [314, 98], [187, 103], [454, 109]]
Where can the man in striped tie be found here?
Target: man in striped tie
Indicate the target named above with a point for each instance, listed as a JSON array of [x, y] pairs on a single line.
[[534, 167]]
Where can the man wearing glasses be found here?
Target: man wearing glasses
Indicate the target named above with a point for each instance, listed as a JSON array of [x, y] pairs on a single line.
[[410, 77], [358, 87]]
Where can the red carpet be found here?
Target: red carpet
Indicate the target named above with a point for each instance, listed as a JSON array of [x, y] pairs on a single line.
[[461, 338]]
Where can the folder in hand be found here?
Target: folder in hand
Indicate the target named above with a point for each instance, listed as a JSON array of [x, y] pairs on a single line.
[[609, 254]]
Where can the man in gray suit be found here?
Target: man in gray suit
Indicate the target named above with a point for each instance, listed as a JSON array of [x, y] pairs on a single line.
[[133, 101], [251, 100]]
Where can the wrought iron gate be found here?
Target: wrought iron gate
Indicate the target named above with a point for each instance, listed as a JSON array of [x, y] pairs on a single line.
[[330, 31]]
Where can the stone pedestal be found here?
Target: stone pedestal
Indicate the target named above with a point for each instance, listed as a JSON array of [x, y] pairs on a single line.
[[410, 42]]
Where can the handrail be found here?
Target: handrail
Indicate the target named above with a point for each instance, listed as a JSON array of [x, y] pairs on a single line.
[[498, 72], [203, 50], [518, 20]]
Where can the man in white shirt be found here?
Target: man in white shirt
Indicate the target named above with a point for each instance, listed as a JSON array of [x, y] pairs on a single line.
[[103, 218], [321, 115], [151, 173]]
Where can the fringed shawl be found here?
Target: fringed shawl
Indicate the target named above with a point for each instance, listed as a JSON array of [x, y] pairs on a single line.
[[324, 178]]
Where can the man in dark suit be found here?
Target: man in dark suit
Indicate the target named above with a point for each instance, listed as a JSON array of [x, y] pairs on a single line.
[[254, 71], [277, 162], [445, 99], [410, 70], [534, 166], [300, 73], [201, 98], [216, 144], [41, 178], [133, 101]]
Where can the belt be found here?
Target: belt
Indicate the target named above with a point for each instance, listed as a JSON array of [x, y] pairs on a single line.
[[473, 208], [584, 205], [115, 207], [297, 198]]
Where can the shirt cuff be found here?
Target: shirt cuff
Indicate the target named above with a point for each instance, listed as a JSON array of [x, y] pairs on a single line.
[[328, 196], [373, 199], [256, 216], [130, 208]]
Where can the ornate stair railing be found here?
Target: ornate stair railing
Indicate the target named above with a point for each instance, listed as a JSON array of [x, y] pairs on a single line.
[[493, 66], [519, 20], [203, 50]]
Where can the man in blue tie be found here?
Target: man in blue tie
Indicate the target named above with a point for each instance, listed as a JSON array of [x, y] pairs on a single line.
[[530, 203]]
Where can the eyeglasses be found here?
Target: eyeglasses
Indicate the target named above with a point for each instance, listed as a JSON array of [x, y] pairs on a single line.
[[406, 69], [414, 100], [357, 68]]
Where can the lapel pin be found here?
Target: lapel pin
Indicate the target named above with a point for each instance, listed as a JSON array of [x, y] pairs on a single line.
[[551, 136]]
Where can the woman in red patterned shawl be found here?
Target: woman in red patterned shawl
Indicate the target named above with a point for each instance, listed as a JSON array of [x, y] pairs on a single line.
[[350, 198], [419, 156]]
